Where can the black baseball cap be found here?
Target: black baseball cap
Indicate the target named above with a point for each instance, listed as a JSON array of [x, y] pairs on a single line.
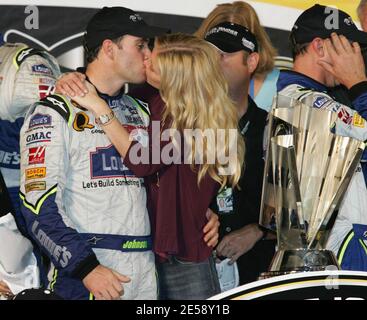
[[321, 21], [37, 294], [231, 37], [114, 22]]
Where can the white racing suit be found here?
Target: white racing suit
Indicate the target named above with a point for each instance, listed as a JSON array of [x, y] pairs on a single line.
[[348, 238], [81, 204], [18, 264], [26, 76]]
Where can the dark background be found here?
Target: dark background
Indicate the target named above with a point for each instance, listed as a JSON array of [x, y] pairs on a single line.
[[58, 23]]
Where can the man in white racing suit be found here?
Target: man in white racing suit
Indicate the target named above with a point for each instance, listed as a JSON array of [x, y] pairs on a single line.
[[26, 75], [323, 58], [78, 195], [83, 207]]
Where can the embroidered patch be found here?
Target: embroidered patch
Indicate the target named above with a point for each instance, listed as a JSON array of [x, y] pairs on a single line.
[[35, 173], [35, 186], [358, 121]]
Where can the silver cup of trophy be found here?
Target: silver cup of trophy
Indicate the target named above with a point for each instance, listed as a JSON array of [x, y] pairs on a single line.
[[307, 171]]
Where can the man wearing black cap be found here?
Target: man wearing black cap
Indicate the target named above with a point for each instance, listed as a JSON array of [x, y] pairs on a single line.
[[239, 209], [84, 208], [326, 47]]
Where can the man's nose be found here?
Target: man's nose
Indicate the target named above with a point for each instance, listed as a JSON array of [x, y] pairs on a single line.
[[147, 61], [147, 53]]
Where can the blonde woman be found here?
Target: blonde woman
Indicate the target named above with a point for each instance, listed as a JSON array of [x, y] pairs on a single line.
[[193, 95], [263, 84]]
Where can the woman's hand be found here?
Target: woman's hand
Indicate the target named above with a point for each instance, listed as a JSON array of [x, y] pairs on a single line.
[[211, 229], [71, 84], [91, 100]]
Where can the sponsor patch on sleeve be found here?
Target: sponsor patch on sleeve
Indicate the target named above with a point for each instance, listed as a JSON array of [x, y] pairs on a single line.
[[344, 116], [40, 120], [45, 90], [38, 137], [35, 186], [35, 173], [36, 155], [46, 80], [320, 101], [358, 121], [42, 69]]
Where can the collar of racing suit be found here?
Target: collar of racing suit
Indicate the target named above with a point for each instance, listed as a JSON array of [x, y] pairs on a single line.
[[102, 95], [288, 77]]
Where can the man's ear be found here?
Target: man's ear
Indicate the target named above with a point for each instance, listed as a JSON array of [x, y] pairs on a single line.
[[252, 62], [317, 46], [107, 48]]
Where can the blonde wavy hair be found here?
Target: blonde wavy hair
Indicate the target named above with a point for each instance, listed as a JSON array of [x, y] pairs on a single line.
[[242, 13], [195, 92]]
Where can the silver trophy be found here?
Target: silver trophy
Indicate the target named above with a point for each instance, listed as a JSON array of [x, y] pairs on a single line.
[[307, 171]]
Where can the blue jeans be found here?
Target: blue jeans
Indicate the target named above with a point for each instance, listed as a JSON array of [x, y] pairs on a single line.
[[184, 280]]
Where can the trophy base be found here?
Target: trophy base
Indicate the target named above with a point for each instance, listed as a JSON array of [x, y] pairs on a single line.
[[300, 260]]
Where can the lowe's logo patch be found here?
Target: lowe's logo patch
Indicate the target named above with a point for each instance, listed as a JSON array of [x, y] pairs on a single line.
[[41, 68], [38, 137], [106, 162], [60, 253], [40, 120], [320, 101]]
